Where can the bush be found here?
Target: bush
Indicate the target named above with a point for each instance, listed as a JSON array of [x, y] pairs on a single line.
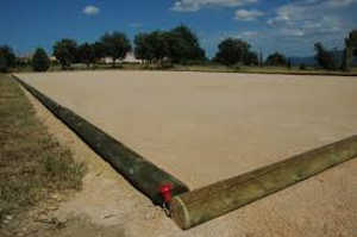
[[276, 59], [40, 61], [302, 66]]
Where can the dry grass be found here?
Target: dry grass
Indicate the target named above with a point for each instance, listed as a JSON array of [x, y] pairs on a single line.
[[32, 163]]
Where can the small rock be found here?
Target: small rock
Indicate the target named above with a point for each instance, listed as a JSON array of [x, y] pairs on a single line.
[[148, 216], [52, 208], [23, 232], [42, 217], [108, 216], [8, 217], [62, 219], [56, 197]]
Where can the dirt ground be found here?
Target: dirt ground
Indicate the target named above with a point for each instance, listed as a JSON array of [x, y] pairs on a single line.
[[324, 205], [205, 127]]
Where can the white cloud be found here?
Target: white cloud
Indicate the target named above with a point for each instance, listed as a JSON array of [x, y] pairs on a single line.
[[297, 25], [196, 5], [310, 17], [341, 3], [294, 27], [247, 34], [292, 32], [91, 10], [247, 15]]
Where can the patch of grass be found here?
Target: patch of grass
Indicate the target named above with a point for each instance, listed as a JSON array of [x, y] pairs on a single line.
[[64, 173], [32, 163]]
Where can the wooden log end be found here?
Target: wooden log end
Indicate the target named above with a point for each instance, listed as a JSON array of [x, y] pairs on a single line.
[[179, 213]]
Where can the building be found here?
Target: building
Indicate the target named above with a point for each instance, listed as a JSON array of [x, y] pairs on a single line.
[[130, 58]]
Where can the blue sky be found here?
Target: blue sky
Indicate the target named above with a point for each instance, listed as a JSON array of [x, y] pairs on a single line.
[[288, 26]]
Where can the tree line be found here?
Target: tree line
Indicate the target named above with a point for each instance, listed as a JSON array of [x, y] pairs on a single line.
[[179, 45]]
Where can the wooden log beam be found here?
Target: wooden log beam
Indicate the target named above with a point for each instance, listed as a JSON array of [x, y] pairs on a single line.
[[204, 204], [144, 175]]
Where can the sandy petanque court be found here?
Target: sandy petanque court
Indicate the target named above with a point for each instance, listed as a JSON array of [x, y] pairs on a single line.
[[205, 127]]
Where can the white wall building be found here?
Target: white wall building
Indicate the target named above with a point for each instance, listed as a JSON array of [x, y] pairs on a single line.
[[130, 58]]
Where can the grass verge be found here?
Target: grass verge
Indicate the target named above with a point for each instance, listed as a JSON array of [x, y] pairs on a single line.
[[265, 70], [33, 164]]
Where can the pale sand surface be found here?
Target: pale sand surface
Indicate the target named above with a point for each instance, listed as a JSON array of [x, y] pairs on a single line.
[[322, 206], [205, 127]]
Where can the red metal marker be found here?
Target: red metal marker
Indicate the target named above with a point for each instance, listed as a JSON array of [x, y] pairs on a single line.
[[166, 192]]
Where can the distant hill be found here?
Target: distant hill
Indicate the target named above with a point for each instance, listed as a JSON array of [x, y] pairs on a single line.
[[310, 60]]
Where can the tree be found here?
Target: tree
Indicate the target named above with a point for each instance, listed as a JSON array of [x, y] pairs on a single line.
[[178, 50], [350, 49], [40, 61], [152, 46], [289, 63], [65, 52], [180, 45], [116, 45], [184, 45], [157, 45], [99, 51], [323, 57], [86, 54], [251, 58], [142, 48], [276, 59], [7, 58], [233, 51], [3, 64], [261, 59]]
